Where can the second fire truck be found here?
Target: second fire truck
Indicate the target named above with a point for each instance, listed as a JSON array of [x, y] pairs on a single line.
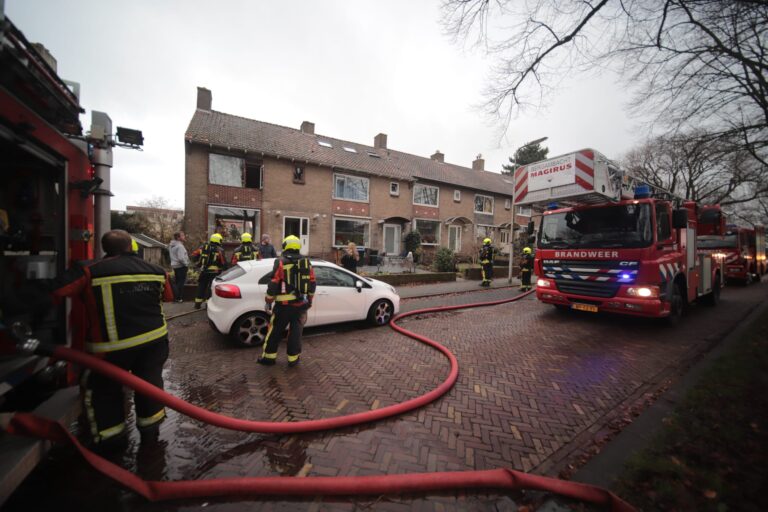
[[608, 243]]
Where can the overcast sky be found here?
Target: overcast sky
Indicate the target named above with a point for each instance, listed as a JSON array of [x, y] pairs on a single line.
[[354, 68]]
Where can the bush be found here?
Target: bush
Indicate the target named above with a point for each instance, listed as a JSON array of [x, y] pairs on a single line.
[[413, 244], [445, 260]]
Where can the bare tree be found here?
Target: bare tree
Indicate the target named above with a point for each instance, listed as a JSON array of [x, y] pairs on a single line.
[[692, 63], [162, 218]]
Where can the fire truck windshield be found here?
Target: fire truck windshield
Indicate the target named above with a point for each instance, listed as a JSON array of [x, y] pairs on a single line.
[[627, 225], [716, 242]]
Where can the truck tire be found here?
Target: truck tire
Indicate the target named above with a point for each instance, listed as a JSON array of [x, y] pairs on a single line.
[[676, 307]]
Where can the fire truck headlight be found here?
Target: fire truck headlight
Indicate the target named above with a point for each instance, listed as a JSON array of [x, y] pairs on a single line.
[[644, 292], [544, 283]]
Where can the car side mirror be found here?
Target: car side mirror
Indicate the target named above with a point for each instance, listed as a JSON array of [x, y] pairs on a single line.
[[359, 286], [531, 228], [680, 218]]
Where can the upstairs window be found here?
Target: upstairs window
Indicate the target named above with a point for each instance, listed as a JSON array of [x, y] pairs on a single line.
[[325, 144], [425, 195], [394, 188], [298, 174], [231, 171], [457, 196], [351, 188], [525, 211], [483, 204]]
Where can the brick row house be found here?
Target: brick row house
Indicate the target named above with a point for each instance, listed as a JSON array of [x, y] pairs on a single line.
[[248, 175]]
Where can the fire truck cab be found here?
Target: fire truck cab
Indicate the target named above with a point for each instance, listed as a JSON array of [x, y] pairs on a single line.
[[742, 251], [608, 243]]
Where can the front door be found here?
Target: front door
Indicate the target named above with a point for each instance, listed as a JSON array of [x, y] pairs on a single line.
[[298, 226], [392, 237], [454, 238]]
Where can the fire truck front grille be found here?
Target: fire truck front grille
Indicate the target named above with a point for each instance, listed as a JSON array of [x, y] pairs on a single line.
[[587, 288]]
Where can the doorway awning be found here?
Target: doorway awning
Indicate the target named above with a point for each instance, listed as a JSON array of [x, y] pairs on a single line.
[[506, 226], [458, 219], [396, 219]]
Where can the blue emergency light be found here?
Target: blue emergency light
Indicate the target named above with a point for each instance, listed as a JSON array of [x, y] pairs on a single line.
[[552, 206], [642, 191]]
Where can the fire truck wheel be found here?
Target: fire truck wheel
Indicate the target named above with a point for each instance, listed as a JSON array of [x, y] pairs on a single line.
[[713, 299], [675, 307]]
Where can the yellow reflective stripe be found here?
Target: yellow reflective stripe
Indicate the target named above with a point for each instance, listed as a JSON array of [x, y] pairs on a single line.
[[286, 296], [128, 342], [129, 278], [266, 338], [292, 358], [145, 422], [109, 312], [111, 431], [88, 404]]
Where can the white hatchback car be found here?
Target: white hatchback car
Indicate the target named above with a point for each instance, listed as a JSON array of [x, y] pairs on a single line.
[[236, 306]]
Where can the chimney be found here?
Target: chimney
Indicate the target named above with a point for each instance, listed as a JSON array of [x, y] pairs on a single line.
[[438, 156], [380, 141], [307, 127], [478, 164], [204, 98]]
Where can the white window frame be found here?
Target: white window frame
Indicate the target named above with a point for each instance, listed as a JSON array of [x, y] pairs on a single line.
[[504, 236], [437, 199], [457, 196], [394, 188], [507, 204], [337, 175], [486, 197], [439, 230], [458, 230], [524, 211], [364, 220]]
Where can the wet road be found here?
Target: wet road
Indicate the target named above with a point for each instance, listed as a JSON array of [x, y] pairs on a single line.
[[537, 390]]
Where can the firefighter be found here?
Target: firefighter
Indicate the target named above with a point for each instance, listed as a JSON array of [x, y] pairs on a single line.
[[291, 290], [122, 295], [487, 252], [245, 251], [526, 269], [211, 262]]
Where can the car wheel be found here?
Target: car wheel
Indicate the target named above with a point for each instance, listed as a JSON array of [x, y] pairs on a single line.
[[250, 330], [676, 306], [381, 312]]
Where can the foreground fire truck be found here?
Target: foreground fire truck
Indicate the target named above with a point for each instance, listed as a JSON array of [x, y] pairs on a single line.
[[742, 251], [46, 221], [608, 243]]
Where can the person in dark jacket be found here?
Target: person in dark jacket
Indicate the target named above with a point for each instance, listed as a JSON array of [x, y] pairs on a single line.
[[487, 253], [266, 249], [526, 269], [245, 251], [211, 260], [350, 257], [122, 295], [291, 290]]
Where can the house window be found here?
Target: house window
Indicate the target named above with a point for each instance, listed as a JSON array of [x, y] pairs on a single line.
[[298, 174], [352, 188], [232, 222], [483, 204], [225, 170], [351, 230], [504, 236], [325, 144], [349, 149], [231, 171], [484, 231], [429, 231], [457, 195], [525, 211], [507, 204], [394, 188], [425, 194]]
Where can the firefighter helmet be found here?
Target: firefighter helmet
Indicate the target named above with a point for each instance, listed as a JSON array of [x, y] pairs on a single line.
[[487, 241], [134, 246], [527, 250], [216, 238], [291, 242], [246, 237]]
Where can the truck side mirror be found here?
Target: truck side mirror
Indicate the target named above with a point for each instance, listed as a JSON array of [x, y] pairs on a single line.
[[680, 218], [531, 228]]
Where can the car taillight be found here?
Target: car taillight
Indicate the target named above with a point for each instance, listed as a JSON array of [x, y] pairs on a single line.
[[227, 291]]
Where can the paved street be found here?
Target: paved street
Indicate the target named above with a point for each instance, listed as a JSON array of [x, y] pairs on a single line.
[[537, 390]]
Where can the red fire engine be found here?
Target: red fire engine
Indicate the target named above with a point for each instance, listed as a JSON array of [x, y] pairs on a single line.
[[611, 243], [742, 251], [46, 222]]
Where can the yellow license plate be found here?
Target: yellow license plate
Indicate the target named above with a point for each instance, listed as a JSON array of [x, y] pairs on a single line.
[[585, 307]]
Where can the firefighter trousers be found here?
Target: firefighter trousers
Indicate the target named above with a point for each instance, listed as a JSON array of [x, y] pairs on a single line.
[[204, 285], [487, 272], [525, 279], [103, 398], [284, 316]]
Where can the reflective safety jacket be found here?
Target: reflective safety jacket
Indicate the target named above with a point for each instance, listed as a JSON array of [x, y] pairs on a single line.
[[122, 296], [486, 254], [211, 257], [245, 252], [293, 280], [526, 263]]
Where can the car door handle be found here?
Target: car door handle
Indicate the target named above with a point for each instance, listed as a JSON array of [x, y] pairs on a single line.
[[322, 293]]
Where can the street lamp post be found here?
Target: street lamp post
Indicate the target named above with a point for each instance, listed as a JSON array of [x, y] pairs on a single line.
[[512, 203]]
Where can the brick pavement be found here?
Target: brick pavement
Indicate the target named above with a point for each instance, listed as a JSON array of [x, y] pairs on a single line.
[[536, 389]]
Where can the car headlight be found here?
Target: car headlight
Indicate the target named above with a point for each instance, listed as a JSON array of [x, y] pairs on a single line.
[[544, 283], [644, 292]]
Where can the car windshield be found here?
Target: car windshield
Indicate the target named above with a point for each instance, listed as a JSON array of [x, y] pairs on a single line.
[[716, 242], [626, 225]]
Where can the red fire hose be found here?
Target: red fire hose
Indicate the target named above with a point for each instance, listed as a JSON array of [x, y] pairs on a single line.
[[30, 425]]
